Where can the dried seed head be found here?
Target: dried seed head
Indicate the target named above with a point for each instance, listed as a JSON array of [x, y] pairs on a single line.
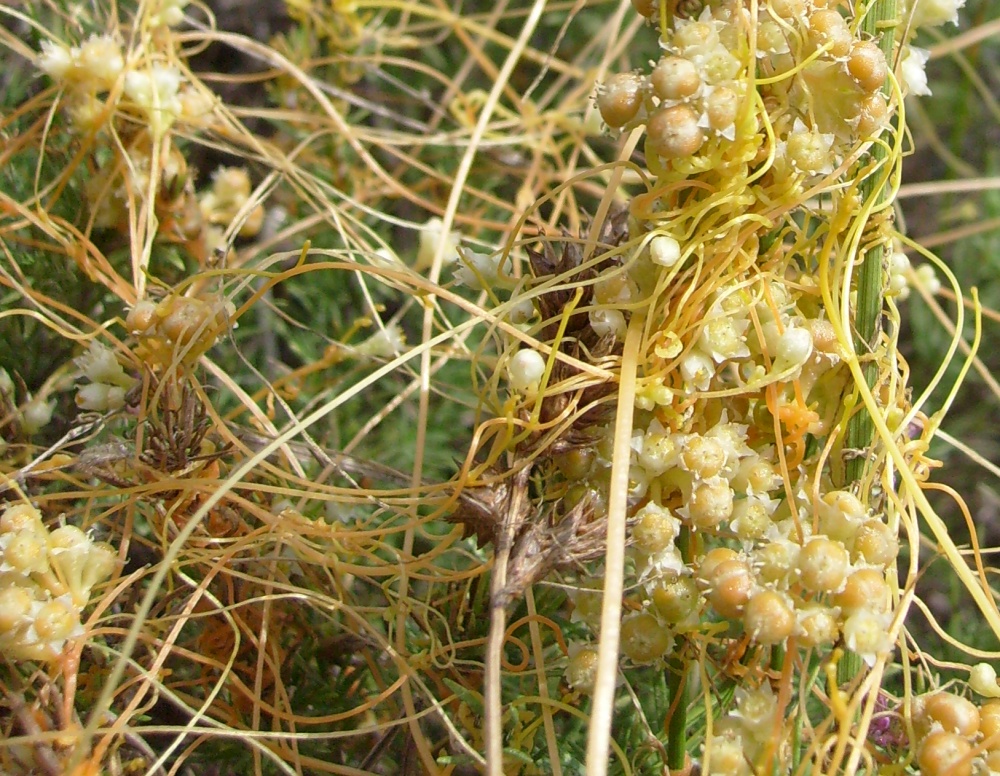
[[620, 98], [674, 132]]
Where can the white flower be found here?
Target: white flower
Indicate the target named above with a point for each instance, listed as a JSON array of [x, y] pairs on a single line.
[[100, 397], [480, 271], [385, 343], [431, 238], [155, 91], [664, 250], [99, 365], [100, 59], [983, 680], [525, 370], [913, 70], [697, 369], [933, 13], [55, 60], [36, 415], [866, 633], [755, 709]]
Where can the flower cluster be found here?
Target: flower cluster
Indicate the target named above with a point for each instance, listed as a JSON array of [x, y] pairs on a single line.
[[46, 579]]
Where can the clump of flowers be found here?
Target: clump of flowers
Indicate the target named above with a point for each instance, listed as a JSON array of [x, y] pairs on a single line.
[[46, 580]]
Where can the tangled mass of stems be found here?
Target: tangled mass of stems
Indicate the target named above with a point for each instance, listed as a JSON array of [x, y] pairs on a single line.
[[693, 428]]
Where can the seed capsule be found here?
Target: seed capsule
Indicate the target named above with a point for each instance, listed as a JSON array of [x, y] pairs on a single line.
[[730, 587], [674, 78], [711, 503], [944, 753], [644, 639], [768, 618], [676, 598], [867, 65], [875, 543], [989, 724], [674, 132], [828, 28], [582, 670], [654, 530], [873, 115], [646, 8], [954, 713], [864, 589], [620, 98]]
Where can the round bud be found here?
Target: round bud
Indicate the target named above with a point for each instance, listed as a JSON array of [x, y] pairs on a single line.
[[620, 98], [186, 320], [674, 132], [575, 464], [675, 599], [989, 724], [582, 670], [768, 617], [863, 589], [822, 565], [525, 370], [873, 115], [943, 753], [674, 78], [712, 559], [644, 639], [828, 29], [875, 543], [952, 712], [730, 587], [866, 65]]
